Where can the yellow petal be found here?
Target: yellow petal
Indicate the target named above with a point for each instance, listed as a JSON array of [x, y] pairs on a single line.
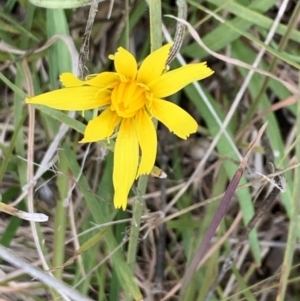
[[154, 65], [173, 81], [147, 140], [101, 127], [73, 99], [104, 80], [70, 80], [174, 118], [125, 63], [125, 162]]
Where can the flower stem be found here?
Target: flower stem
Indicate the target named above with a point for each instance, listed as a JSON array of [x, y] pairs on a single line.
[[136, 221], [156, 42], [60, 221]]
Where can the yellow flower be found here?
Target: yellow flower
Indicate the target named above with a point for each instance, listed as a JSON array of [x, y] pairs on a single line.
[[129, 98]]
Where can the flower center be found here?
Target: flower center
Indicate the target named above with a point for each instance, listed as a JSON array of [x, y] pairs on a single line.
[[127, 98]]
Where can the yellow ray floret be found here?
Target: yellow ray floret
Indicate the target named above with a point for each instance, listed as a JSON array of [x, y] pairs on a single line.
[[130, 98]]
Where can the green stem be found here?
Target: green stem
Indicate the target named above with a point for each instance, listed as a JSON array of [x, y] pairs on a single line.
[[60, 220], [156, 42]]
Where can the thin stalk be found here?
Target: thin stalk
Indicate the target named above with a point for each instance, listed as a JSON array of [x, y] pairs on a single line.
[[156, 42], [127, 25]]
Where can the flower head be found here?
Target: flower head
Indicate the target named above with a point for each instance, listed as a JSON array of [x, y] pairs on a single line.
[[129, 99]]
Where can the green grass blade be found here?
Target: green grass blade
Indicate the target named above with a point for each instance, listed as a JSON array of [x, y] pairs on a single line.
[[222, 36], [226, 150], [125, 274], [293, 233], [59, 56]]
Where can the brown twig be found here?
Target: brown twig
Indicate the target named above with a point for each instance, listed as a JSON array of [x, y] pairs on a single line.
[[84, 49], [180, 27], [266, 204], [278, 183], [219, 214]]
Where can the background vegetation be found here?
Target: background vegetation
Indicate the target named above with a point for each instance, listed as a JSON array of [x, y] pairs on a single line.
[[89, 245]]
